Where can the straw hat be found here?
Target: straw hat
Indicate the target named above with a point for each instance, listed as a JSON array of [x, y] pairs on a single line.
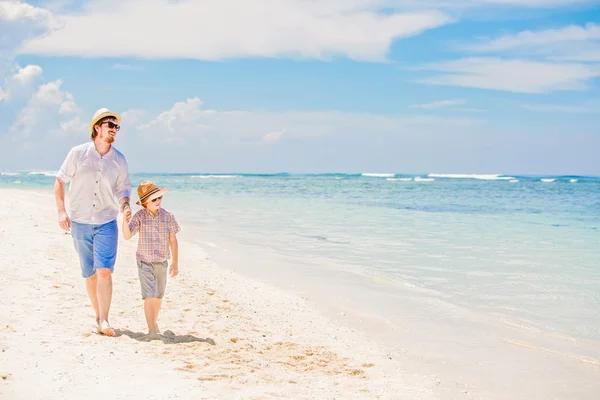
[[148, 191], [103, 113]]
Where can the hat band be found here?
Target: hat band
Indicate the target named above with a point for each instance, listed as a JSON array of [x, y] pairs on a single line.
[[149, 194]]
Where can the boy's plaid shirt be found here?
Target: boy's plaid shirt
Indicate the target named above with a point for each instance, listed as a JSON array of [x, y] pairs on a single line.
[[153, 244]]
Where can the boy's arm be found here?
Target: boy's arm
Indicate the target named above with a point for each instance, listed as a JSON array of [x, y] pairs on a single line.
[[126, 231], [174, 270], [131, 225]]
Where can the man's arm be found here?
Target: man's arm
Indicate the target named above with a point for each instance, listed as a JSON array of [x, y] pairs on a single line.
[[174, 270], [123, 188], [59, 195]]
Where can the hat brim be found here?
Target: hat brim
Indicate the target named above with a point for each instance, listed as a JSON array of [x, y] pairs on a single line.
[[104, 115], [153, 196]]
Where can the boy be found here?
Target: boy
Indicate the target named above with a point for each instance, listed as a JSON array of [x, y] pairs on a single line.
[[158, 229]]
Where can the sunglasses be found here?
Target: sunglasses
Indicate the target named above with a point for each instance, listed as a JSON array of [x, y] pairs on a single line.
[[156, 199], [112, 125]]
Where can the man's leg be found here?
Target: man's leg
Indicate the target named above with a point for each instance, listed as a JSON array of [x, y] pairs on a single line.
[[106, 238], [104, 292], [83, 242], [90, 286]]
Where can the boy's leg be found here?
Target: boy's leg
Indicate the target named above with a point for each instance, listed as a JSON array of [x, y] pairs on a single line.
[[160, 271], [157, 304], [148, 286], [150, 313], [105, 254]]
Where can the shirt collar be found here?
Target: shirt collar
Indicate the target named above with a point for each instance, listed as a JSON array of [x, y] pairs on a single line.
[[109, 154], [160, 211]]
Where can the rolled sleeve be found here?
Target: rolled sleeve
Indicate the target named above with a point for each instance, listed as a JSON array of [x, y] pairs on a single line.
[[123, 183], [173, 225], [68, 168], [134, 225]]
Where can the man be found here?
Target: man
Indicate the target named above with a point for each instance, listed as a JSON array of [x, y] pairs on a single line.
[[99, 188]]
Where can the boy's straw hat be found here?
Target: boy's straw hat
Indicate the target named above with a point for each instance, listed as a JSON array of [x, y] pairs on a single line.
[[103, 113], [148, 191]]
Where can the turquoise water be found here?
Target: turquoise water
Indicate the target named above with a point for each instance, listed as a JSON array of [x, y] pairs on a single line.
[[522, 248]]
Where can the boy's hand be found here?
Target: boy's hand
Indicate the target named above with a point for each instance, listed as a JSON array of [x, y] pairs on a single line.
[[127, 214], [174, 270]]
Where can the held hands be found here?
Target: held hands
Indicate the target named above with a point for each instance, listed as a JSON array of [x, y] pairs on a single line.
[[63, 221], [126, 210], [127, 214], [174, 270]]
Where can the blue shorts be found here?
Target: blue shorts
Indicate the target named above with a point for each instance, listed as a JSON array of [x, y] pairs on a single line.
[[96, 246]]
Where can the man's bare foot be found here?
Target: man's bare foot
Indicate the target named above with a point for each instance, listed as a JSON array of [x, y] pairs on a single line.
[[105, 329], [98, 326]]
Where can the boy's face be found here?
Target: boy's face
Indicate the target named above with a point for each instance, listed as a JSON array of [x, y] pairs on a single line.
[[154, 204]]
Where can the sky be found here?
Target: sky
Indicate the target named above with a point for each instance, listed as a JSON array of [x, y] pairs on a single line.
[[306, 86]]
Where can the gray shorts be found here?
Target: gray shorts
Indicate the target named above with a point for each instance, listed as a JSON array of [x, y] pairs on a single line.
[[153, 278]]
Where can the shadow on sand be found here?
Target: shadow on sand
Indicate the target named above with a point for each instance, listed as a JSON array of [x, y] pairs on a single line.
[[167, 337]]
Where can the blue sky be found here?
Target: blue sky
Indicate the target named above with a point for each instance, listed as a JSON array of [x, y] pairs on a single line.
[[464, 86]]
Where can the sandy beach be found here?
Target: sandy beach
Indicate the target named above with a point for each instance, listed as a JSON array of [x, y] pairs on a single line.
[[224, 336]]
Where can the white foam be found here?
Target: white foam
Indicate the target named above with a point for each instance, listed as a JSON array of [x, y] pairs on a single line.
[[486, 177], [378, 175], [514, 180], [45, 173], [547, 180], [419, 179], [8, 173], [214, 176], [400, 179], [573, 180]]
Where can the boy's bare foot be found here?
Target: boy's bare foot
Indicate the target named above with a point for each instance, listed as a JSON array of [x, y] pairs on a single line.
[[105, 329], [98, 326], [156, 328]]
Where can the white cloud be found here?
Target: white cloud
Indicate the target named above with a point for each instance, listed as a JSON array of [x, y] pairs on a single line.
[[438, 104], [572, 34], [569, 43], [20, 21], [273, 137], [513, 75], [48, 109], [190, 137], [469, 4], [187, 121], [21, 83], [557, 108], [209, 30], [126, 67]]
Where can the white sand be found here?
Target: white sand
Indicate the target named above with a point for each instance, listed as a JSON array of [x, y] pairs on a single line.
[[229, 337]]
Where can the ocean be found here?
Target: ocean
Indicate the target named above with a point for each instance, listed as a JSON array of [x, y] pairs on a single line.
[[412, 256]]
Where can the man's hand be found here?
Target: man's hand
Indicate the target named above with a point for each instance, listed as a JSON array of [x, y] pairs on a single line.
[[63, 221], [174, 270], [125, 206]]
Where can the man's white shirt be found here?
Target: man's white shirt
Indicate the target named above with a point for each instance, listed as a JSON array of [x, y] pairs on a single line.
[[96, 183]]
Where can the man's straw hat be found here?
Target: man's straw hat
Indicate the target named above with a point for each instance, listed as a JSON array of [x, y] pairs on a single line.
[[148, 191], [103, 113]]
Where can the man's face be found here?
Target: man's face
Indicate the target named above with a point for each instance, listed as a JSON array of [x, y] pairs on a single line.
[[108, 130]]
